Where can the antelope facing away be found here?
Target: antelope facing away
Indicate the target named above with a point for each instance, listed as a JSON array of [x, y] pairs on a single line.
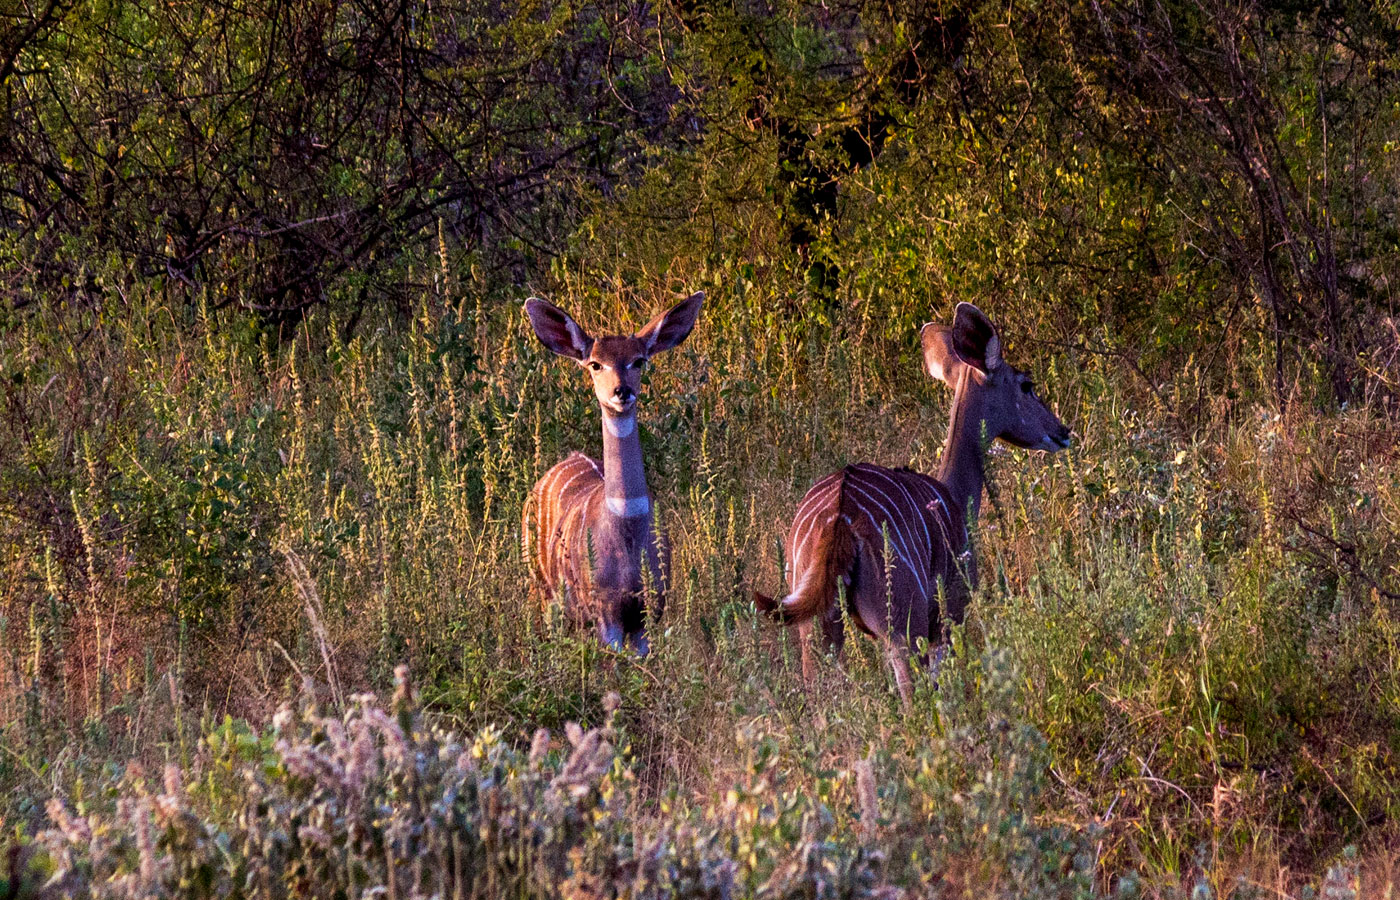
[[848, 519], [593, 533]]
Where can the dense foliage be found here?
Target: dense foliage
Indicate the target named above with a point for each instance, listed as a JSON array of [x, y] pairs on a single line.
[[271, 409]]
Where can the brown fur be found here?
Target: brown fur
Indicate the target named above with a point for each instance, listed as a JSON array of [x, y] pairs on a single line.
[[563, 502], [897, 538], [835, 547], [587, 528]]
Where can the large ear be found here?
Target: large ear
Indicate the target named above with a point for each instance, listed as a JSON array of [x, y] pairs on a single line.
[[557, 330], [975, 338], [673, 326], [940, 359]]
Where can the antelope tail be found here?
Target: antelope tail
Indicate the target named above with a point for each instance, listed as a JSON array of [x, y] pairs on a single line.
[[834, 549]]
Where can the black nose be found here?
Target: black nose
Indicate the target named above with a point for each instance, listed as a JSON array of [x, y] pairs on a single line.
[[622, 392]]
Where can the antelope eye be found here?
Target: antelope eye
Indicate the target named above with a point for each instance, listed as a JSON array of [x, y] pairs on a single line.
[[1027, 387], [595, 366], [638, 364]]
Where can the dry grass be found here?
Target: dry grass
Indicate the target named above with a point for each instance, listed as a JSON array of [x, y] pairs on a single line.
[[1188, 638]]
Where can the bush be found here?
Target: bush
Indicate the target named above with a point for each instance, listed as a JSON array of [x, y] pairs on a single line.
[[378, 802]]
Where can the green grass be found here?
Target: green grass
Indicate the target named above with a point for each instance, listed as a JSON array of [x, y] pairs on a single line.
[[223, 522], [1179, 675]]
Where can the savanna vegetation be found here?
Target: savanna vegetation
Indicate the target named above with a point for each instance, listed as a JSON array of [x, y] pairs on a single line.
[[271, 408]]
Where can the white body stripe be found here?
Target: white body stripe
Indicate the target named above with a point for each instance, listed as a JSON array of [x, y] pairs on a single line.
[[878, 501], [812, 512], [899, 542], [913, 504], [811, 508], [564, 488]]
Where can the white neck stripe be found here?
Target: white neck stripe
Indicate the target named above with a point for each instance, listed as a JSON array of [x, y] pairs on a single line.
[[619, 428], [628, 507]]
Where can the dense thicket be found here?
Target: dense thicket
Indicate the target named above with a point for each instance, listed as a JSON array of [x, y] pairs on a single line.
[[277, 155], [1179, 162]]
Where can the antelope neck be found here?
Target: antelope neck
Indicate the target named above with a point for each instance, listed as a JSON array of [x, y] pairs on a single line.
[[961, 466], [624, 479]]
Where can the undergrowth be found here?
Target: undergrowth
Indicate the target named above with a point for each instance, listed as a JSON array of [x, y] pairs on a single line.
[[1190, 636]]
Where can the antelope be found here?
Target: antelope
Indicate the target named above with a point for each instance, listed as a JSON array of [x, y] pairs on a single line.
[[850, 520], [593, 532]]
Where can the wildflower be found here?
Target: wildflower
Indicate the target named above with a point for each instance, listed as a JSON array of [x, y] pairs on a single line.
[[362, 762], [403, 688], [396, 749], [137, 812], [174, 783], [539, 746], [75, 830]]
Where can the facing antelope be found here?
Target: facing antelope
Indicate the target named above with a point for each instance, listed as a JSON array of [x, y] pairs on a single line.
[[845, 522], [593, 531]]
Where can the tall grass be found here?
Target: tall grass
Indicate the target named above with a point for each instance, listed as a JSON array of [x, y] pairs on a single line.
[[1180, 673]]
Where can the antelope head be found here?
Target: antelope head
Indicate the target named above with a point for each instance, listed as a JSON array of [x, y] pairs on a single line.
[[615, 362], [968, 358]]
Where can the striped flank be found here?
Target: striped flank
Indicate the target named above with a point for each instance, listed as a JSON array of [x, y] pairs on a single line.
[[839, 536], [562, 503]]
